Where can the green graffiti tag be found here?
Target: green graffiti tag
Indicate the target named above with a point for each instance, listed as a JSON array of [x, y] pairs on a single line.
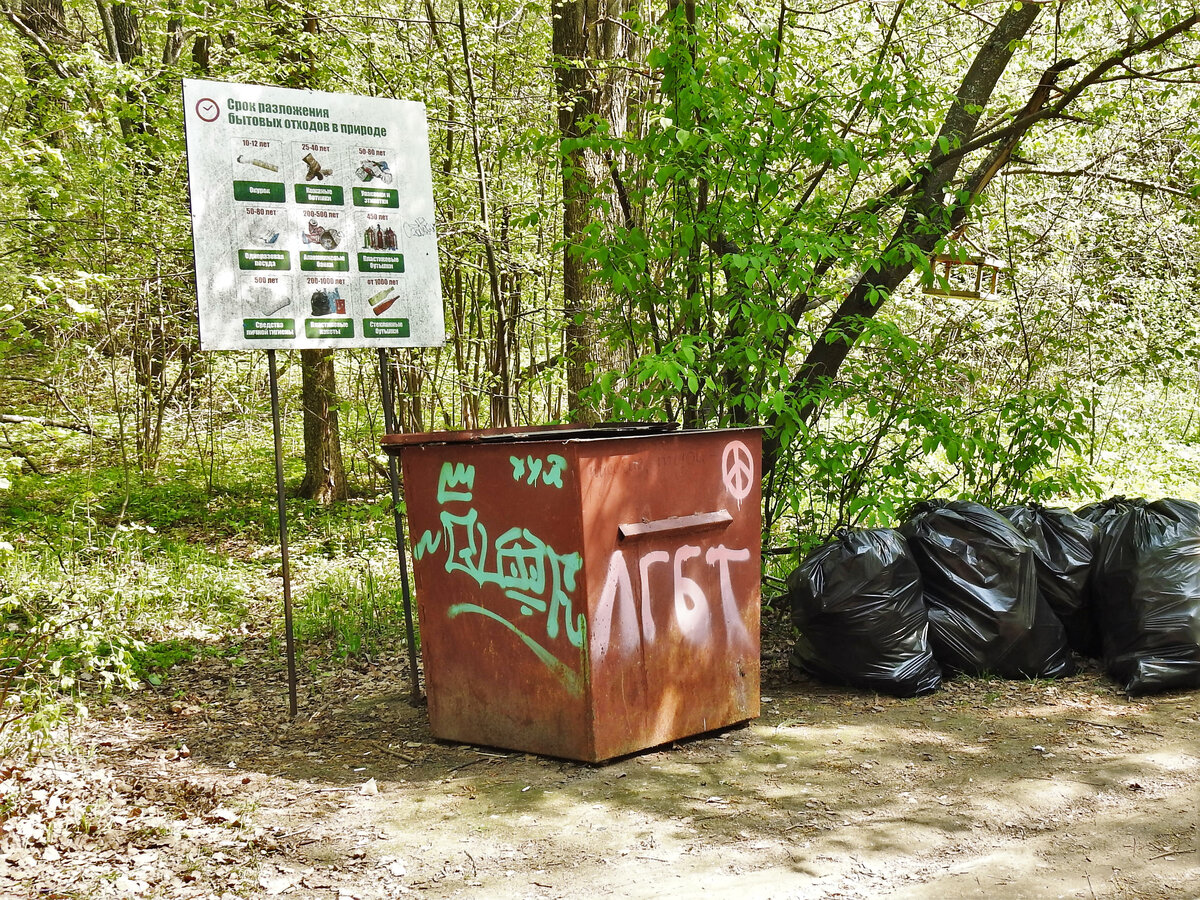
[[553, 464], [523, 566], [428, 543], [569, 678], [454, 476]]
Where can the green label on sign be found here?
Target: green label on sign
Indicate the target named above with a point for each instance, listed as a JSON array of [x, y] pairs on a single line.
[[331, 195], [381, 262], [259, 191], [255, 260], [316, 261], [385, 328], [377, 197], [269, 329], [329, 328]]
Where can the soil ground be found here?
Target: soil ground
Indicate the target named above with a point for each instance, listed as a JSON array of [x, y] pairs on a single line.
[[985, 789]]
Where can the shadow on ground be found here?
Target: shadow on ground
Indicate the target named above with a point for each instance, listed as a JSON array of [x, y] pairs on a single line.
[[987, 788]]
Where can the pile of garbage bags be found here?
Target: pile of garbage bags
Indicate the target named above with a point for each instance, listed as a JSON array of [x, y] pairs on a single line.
[[1009, 593]]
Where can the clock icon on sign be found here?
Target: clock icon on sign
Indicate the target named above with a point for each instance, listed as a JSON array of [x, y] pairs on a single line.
[[208, 109]]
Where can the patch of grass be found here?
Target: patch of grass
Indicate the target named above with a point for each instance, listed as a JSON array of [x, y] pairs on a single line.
[[358, 610], [78, 507], [80, 617], [106, 582], [143, 588], [151, 662]]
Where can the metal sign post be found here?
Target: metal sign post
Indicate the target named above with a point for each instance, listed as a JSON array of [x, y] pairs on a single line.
[[285, 566], [390, 427]]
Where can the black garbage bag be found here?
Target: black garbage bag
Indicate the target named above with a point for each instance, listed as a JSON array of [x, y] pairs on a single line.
[[857, 604], [1146, 586], [1102, 511], [986, 615], [1064, 546], [1185, 512]]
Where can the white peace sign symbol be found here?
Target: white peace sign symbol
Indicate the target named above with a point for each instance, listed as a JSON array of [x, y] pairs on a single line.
[[737, 470]]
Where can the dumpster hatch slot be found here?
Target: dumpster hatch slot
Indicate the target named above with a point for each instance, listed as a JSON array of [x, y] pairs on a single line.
[[675, 524]]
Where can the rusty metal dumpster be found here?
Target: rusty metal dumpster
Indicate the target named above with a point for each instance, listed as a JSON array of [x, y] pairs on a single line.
[[585, 593]]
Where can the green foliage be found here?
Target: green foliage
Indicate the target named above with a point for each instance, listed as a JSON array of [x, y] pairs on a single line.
[[49, 645], [354, 609], [910, 419], [84, 588], [762, 186], [102, 590], [151, 662], [9, 468]]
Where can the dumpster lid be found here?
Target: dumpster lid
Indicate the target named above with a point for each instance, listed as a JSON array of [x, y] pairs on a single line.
[[526, 433]]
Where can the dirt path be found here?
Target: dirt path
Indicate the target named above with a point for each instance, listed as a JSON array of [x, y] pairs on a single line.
[[986, 789]]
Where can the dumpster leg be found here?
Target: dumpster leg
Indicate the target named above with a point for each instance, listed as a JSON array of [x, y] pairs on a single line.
[[389, 426]]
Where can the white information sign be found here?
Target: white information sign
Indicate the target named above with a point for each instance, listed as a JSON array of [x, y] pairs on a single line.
[[312, 219]]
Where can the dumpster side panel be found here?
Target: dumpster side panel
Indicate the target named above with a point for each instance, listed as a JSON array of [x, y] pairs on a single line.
[[497, 548], [672, 537]]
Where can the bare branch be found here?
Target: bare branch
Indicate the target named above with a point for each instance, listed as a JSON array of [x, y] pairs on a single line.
[[45, 423], [1025, 121], [1087, 172], [30, 35], [48, 386]]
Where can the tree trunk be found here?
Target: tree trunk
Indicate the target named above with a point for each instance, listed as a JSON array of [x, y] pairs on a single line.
[[586, 35], [45, 20], [43, 104], [128, 31], [202, 46], [324, 474], [202, 54]]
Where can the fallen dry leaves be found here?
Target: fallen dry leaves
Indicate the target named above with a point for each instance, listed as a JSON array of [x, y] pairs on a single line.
[[129, 812]]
